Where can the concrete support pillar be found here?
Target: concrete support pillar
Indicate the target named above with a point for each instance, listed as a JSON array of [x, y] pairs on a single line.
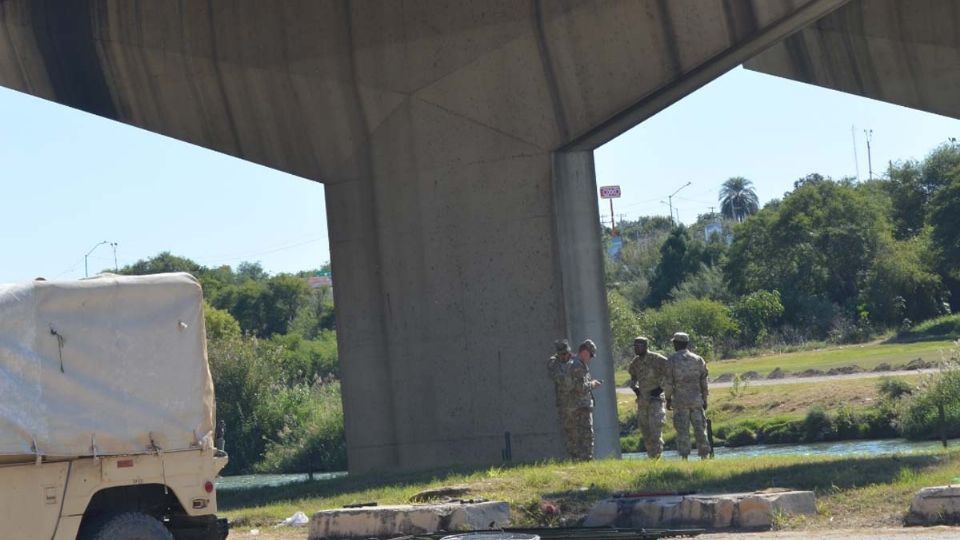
[[585, 297], [368, 390], [449, 299]]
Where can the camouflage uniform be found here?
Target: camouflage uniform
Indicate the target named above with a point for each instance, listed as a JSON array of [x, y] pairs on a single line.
[[578, 417], [686, 389], [647, 377]]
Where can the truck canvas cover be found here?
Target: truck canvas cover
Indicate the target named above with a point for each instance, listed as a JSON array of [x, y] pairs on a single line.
[[104, 366]]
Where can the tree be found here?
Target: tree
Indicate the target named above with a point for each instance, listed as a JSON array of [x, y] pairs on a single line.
[[901, 284], [815, 246], [677, 261], [757, 312], [164, 262], [738, 199], [945, 220]]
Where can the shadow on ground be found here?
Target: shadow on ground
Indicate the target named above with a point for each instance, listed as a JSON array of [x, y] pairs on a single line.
[[824, 477]]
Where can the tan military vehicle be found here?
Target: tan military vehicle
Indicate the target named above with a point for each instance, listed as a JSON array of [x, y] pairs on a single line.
[[106, 411]]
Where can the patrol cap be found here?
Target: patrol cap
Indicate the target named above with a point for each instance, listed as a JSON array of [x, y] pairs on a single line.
[[562, 345], [681, 337], [640, 339], [589, 345]]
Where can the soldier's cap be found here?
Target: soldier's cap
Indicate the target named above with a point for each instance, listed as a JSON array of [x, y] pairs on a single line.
[[589, 345], [641, 339], [681, 337], [562, 345]]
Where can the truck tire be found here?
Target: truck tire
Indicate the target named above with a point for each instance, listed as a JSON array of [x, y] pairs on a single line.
[[126, 526]]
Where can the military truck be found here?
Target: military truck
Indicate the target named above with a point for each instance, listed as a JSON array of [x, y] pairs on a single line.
[[107, 411]]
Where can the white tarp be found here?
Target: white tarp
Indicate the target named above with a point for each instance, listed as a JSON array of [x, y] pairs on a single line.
[[111, 365]]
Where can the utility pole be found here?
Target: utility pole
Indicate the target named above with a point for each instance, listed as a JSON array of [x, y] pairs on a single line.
[[670, 199], [116, 267], [856, 160], [868, 133]]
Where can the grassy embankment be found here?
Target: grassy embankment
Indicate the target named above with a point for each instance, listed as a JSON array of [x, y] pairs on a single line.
[[764, 408], [866, 356], [852, 492]]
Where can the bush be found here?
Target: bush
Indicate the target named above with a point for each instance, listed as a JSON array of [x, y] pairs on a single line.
[[624, 326], [264, 405], [631, 443], [757, 313], [710, 324], [741, 436], [312, 437], [305, 360], [219, 323], [894, 389], [817, 426], [921, 417]]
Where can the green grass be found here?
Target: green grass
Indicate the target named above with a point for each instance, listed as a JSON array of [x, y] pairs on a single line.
[[867, 356], [852, 491], [945, 327]]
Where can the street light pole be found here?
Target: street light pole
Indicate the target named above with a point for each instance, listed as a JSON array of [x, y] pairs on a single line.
[[670, 198], [86, 267], [868, 133]]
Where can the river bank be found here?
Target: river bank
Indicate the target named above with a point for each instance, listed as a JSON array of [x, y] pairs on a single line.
[[853, 491]]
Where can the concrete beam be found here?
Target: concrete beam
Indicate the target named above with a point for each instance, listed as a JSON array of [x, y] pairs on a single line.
[[892, 50]]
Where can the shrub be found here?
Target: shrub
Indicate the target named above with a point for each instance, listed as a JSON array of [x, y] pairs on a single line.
[[921, 417], [631, 443], [312, 437], [817, 426], [894, 389], [741, 436], [624, 326], [757, 313], [264, 406], [709, 323]]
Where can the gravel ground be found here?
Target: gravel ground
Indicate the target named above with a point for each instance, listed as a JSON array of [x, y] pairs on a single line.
[[930, 533]]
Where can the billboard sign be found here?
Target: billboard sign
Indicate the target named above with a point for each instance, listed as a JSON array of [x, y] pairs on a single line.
[[610, 192]]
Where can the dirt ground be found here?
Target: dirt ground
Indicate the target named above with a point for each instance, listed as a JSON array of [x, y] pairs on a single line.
[[929, 533]]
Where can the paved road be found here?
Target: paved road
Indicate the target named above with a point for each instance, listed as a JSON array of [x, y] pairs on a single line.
[[801, 380]]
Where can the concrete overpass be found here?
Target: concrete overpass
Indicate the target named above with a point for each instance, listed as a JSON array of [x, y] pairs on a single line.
[[455, 141]]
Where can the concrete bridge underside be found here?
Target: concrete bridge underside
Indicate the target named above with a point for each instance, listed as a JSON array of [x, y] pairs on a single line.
[[455, 140]]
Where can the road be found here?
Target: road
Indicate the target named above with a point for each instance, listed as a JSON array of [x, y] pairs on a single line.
[[801, 380]]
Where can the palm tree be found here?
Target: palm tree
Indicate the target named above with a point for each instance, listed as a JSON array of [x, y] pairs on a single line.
[[738, 199]]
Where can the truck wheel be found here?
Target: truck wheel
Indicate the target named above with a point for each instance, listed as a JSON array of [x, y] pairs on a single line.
[[127, 526]]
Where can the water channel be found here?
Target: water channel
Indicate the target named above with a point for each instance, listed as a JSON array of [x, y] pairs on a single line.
[[844, 448]]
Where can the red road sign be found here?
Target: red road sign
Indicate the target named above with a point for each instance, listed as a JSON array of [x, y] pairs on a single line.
[[610, 192]]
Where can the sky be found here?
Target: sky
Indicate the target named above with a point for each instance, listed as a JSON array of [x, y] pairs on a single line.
[[70, 180]]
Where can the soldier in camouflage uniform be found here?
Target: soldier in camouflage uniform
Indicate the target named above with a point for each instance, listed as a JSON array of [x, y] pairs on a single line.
[[557, 369], [686, 392], [648, 372], [578, 419]]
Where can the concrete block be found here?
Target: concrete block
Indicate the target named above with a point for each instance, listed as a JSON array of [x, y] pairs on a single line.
[[399, 520], [603, 514], [739, 510], [753, 512], [935, 505]]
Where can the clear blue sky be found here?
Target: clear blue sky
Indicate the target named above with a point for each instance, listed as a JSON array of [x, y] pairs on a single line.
[[69, 180]]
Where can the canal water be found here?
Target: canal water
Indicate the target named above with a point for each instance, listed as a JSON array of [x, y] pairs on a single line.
[[844, 448]]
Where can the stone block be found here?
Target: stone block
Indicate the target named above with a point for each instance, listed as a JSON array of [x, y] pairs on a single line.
[[739, 510], [393, 521], [935, 505]]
